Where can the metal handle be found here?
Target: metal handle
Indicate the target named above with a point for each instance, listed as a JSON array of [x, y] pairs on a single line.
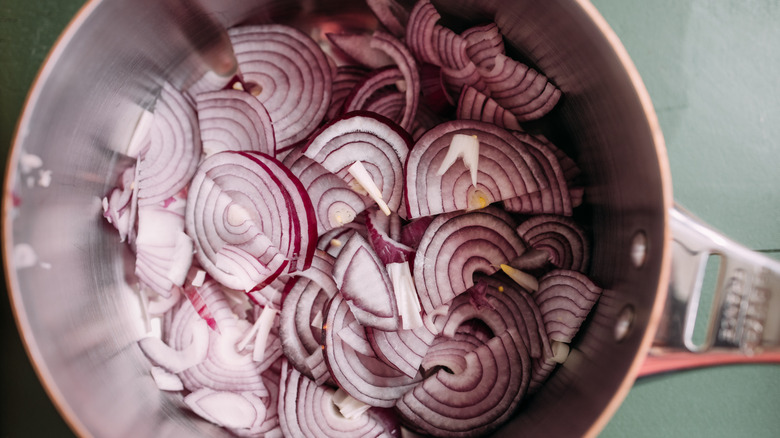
[[745, 320]]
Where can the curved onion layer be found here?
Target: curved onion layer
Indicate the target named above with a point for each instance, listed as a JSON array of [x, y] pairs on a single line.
[[231, 410], [523, 91], [163, 249], [420, 30], [390, 105], [387, 249], [475, 401], [449, 352], [364, 377], [403, 58], [173, 151], [357, 46], [508, 307], [238, 202], [403, 349], [271, 294], [363, 282], [476, 105], [234, 120], [378, 142], [391, 14], [245, 414], [565, 298], [121, 204], [562, 238], [301, 318], [563, 194], [345, 79], [335, 203], [225, 367], [484, 43], [374, 83], [456, 246], [508, 167], [309, 410], [293, 73]]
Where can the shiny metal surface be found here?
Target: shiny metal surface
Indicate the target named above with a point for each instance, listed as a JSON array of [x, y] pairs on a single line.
[[72, 299]]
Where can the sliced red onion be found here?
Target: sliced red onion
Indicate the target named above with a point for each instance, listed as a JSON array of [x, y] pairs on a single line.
[[387, 249], [391, 14], [565, 299], [561, 238], [357, 46], [300, 322], [166, 380], [333, 241], [520, 89], [561, 197], [294, 75], [163, 249], [507, 168], [405, 61], [412, 232], [403, 349], [484, 43], [476, 105], [234, 120], [171, 157], [334, 201], [238, 202], [390, 105], [420, 30], [363, 281], [309, 410], [456, 246], [508, 308], [475, 401], [449, 352], [347, 76], [121, 204], [223, 408], [366, 378], [375, 141], [227, 366], [376, 82], [191, 351], [354, 335], [270, 295]]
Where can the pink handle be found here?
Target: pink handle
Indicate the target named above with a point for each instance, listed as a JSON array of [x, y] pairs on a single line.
[[669, 362]]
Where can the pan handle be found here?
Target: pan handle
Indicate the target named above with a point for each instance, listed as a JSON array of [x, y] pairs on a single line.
[[744, 324]]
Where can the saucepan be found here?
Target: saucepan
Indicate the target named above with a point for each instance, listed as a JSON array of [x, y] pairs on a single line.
[[66, 269]]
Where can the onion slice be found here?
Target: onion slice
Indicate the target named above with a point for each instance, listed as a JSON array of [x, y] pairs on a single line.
[[475, 401], [293, 73], [366, 378], [334, 201], [508, 167], [173, 151], [237, 203], [561, 238], [565, 299], [377, 142], [363, 281], [234, 120], [456, 246], [306, 409]]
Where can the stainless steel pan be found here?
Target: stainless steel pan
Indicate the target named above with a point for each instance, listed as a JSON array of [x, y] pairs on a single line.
[[65, 266]]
